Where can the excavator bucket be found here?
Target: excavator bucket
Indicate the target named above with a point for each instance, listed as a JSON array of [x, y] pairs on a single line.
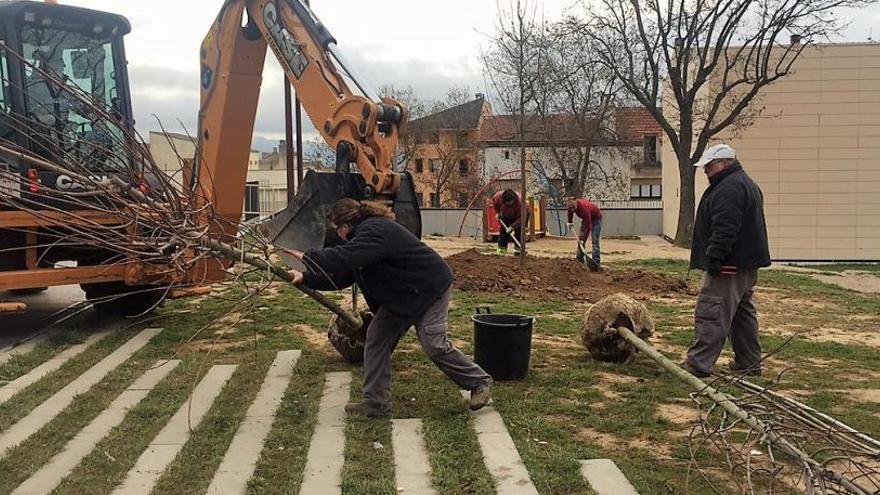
[[303, 224]]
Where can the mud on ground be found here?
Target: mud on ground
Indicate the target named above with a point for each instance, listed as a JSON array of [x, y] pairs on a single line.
[[555, 278]]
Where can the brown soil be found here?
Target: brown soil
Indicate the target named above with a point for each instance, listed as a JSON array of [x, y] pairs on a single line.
[[554, 278]]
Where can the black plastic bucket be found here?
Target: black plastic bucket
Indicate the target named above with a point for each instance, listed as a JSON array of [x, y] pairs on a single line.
[[502, 344]]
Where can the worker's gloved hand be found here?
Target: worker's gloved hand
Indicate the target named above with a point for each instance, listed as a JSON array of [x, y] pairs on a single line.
[[714, 267], [570, 226], [498, 216], [510, 230], [297, 276]]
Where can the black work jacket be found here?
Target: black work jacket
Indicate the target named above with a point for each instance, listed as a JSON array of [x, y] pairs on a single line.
[[394, 269], [730, 223]]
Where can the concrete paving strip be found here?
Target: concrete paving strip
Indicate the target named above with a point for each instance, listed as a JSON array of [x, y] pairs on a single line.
[[36, 374], [7, 353], [241, 457], [500, 454], [411, 468], [170, 441], [52, 474], [53, 406], [605, 478], [323, 473]]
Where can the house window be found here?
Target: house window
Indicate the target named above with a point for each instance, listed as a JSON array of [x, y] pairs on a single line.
[[435, 200], [650, 144], [506, 155], [646, 191], [463, 168], [420, 199], [420, 165], [436, 166]]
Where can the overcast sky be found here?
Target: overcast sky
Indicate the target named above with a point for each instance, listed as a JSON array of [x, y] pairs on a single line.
[[429, 45]]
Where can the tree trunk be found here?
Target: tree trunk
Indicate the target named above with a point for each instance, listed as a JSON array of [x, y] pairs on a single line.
[[686, 173]]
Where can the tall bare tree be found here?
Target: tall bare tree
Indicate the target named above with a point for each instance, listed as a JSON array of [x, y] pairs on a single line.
[[710, 59], [515, 50], [576, 101]]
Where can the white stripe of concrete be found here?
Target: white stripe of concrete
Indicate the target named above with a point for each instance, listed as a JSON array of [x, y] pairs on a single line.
[[241, 457], [36, 374], [411, 468], [500, 454], [52, 474], [606, 478], [323, 473], [170, 441], [52, 407], [10, 352]]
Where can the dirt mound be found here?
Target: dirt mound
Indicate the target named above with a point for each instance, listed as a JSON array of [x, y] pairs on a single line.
[[554, 277]]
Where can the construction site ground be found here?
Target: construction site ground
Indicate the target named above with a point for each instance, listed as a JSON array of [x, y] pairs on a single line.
[[570, 408]]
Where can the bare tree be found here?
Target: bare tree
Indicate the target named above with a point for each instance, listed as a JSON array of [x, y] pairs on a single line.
[[576, 100], [710, 58], [515, 50]]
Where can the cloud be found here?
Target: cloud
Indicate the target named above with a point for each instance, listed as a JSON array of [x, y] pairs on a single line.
[[173, 95]]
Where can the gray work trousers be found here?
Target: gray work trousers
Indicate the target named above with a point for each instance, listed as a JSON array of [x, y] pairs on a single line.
[[724, 309], [386, 330]]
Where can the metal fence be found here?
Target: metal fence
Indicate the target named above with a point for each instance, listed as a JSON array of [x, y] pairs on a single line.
[[636, 220], [620, 217]]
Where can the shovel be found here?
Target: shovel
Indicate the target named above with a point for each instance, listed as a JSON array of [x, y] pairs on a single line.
[[589, 263], [512, 234]]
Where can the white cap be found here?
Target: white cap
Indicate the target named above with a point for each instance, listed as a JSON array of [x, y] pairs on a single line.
[[716, 152]]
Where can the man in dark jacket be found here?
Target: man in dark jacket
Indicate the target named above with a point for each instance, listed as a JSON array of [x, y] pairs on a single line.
[[406, 284], [729, 245]]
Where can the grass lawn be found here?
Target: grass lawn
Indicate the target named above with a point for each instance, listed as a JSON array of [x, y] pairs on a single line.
[[569, 408]]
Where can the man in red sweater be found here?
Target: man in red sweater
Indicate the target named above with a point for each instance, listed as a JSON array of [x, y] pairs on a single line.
[[591, 223], [508, 209]]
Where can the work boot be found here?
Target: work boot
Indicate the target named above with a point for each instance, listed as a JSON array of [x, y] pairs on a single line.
[[367, 409], [690, 369], [754, 370], [501, 251], [481, 397]]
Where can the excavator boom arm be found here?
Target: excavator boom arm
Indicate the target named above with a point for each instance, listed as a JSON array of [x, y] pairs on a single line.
[[359, 125]]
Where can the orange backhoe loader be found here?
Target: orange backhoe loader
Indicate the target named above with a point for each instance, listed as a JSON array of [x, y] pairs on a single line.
[[86, 46]]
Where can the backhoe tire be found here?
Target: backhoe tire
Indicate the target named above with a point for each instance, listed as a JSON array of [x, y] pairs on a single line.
[[118, 299]]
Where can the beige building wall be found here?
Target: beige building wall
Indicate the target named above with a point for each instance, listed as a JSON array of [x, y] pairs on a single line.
[[815, 152]]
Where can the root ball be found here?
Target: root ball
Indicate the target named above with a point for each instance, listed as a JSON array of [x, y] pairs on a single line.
[[598, 329]]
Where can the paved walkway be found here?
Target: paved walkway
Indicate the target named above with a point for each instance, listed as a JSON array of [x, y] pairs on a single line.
[[606, 478], [49, 410], [170, 441], [53, 364], [52, 474], [411, 468], [7, 353], [500, 454], [243, 454], [327, 451]]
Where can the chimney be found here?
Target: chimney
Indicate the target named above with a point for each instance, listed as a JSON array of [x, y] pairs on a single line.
[[795, 39]]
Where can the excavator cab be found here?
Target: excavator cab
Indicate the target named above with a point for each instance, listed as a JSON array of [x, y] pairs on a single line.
[[46, 46]]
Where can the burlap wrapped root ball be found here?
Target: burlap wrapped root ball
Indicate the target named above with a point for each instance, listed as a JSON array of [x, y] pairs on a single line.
[[599, 332], [347, 340]]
